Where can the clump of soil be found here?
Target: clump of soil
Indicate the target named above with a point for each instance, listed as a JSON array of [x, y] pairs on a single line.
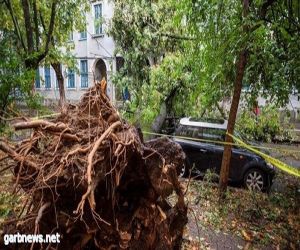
[[88, 176]]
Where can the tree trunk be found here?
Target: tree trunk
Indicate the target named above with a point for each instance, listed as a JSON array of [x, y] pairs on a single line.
[[28, 27], [60, 80], [160, 119], [231, 121], [165, 109], [221, 110], [241, 67]]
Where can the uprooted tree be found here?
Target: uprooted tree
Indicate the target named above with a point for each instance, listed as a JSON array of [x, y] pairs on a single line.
[[88, 176]]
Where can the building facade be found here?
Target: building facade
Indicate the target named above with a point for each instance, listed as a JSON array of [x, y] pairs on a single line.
[[94, 51], [94, 54]]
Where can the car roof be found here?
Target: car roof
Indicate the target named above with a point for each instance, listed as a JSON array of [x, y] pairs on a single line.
[[188, 121]]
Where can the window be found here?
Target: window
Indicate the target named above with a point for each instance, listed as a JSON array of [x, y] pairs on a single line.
[[47, 77], [188, 131], [98, 16], [83, 35], [37, 79], [71, 79], [84, 73], [214, 134]]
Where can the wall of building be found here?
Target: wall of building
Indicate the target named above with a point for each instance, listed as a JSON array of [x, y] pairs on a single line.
[[97, 49]]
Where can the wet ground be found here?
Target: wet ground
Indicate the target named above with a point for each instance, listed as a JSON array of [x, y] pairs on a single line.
[[206, 237]]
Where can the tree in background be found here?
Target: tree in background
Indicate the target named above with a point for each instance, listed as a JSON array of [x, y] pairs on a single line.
[[15, 82], [165, 64], [40, 31], [150, 45], [250, 43], [222, 46], [27, 18], [70, 17]]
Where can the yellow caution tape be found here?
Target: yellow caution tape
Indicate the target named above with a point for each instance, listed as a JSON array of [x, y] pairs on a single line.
[[221, 142], [277, 163], [191, 139]]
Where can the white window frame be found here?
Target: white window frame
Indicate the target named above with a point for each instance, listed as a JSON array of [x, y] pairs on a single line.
[[86, 74], [100, 28]]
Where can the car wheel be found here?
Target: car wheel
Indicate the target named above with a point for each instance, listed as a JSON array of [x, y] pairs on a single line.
[[255, 180], [183, 171]]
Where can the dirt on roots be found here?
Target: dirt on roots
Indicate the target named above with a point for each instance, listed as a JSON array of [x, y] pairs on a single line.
[[88, 176]]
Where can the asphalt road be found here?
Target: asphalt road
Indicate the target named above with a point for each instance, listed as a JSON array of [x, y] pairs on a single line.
[[289, 154]]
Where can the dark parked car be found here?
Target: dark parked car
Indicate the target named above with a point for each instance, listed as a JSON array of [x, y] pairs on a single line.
[[246, 168]]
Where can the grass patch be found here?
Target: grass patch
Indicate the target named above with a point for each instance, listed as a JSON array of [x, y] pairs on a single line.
[[8, 203]]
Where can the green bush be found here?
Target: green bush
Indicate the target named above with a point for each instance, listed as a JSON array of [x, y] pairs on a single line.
[[266, 127]]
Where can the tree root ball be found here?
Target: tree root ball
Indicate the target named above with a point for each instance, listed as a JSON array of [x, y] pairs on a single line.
[[89, 177]]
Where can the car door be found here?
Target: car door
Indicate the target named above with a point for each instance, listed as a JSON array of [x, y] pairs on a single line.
[[202, 157], [198, 155], [216, 160], [215, 152], [237, 161]]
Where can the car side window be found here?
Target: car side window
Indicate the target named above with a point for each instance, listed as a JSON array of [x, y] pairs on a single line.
[[189, 131], [180, 131], [211, 134], [214, 134], [198, 133]]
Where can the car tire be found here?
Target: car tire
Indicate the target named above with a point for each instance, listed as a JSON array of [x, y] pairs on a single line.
[[182, 172], [185, 170], [255, 180]]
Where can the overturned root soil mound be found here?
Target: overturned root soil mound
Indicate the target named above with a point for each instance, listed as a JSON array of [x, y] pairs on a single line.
[[88, 176]]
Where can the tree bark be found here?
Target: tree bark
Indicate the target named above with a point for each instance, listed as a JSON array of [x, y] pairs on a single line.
[[16, 24], [165, 109], [36, 25], [51, 26], [159, 120], [28, 26], [60, 80], [241, 67]]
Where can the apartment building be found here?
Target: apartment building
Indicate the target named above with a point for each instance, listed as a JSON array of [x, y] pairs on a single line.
[[94, 53]]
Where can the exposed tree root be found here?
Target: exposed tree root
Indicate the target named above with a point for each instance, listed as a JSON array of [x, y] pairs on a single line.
[[89, 177]]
